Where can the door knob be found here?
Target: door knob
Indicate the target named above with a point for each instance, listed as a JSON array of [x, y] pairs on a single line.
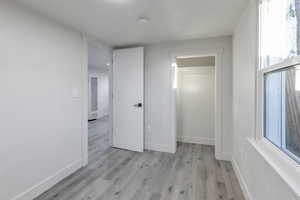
[[138, 105]]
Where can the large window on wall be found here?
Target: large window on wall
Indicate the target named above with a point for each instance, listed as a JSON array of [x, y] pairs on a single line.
[[279, 71]]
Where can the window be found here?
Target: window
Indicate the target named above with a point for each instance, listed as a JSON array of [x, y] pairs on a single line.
[[279, 73], [282, 110], [279, 31]]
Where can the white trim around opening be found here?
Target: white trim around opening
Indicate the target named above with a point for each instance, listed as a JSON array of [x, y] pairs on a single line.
[[218, 54]]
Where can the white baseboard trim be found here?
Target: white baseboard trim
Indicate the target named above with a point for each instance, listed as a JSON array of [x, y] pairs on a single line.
[[241, 180], [102, 116], [49, 182], [224, 156], [159, 147], [195, 140]]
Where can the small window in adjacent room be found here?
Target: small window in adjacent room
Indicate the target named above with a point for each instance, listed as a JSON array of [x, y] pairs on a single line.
[[279, 74]]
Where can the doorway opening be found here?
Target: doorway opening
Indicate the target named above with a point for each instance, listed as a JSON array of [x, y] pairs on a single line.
[[195, 99], [99, 102], [98, 123], [105, 127], [196, 102]]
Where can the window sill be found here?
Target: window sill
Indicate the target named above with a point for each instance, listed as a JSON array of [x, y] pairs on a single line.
[[285, 167]]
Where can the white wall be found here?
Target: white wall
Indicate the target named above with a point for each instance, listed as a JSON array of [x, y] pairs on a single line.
[[158, 82], [41, 120], [103, 90], [195, 104], [100, 54], [259, 180]]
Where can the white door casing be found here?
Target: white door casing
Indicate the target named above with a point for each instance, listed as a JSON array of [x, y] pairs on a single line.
[[218, 53], [128, 99]]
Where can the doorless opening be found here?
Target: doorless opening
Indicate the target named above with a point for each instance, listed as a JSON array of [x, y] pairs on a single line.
[[195, 99], [194, 63]]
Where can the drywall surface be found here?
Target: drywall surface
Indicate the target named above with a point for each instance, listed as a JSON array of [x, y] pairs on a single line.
[[195, 105], [41, 84], [158, 84], [259, 180], [100, 54]]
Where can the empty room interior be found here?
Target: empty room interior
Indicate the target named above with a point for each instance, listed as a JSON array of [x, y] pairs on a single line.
[[150, 100]]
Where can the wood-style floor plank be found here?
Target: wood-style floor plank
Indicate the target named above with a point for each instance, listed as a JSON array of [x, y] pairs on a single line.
[[192, 173]]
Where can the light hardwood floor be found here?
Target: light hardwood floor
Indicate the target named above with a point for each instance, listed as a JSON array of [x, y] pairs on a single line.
[[190, 174], [98, 138]]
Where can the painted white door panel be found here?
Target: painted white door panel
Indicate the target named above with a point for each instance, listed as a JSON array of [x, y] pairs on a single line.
[[128, 91], [196, 97]]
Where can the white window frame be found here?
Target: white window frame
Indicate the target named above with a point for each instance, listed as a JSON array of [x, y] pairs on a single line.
[[287, 168], [260, 100], [260, 73]]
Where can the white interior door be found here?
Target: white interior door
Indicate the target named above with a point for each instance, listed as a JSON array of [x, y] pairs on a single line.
[[128, 99], [196, 105]]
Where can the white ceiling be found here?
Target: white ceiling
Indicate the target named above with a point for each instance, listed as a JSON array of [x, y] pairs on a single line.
[[115, 21]]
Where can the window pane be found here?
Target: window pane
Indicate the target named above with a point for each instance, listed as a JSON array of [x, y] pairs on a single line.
[[273, 110], [279, 30], [292, 138], [282, 109]]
